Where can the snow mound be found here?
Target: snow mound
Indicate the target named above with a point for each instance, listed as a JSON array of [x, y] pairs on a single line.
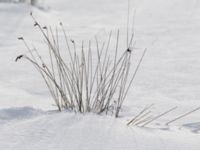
[[89, 132]]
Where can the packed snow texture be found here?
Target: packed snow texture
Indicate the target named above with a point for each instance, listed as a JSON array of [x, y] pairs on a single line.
[[168, 76]]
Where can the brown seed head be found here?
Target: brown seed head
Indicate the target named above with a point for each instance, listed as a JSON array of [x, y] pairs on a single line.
[[20, 38], [19, 57], [36, 24]]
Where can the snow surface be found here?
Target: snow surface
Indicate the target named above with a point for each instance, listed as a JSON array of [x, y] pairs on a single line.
[[168, 77]]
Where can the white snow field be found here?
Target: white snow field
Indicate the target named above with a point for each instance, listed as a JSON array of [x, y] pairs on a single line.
[[169, 76]]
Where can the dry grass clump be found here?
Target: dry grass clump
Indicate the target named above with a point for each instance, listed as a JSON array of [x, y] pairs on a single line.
[[91, 80]]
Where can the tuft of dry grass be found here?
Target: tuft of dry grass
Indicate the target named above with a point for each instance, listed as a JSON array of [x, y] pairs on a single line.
[[91, 80]]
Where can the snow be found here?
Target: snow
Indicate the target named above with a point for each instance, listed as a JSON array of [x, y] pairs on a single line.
[[72, 131], [168, 77]]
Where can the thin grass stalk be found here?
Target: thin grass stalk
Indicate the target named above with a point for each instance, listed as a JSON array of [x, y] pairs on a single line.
[[141, 118], [143, 121], [159, 116], [134, 75], [139, 114], [184, 115]]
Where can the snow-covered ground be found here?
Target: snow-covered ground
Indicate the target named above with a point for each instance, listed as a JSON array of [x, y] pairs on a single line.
[[168, 77]]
